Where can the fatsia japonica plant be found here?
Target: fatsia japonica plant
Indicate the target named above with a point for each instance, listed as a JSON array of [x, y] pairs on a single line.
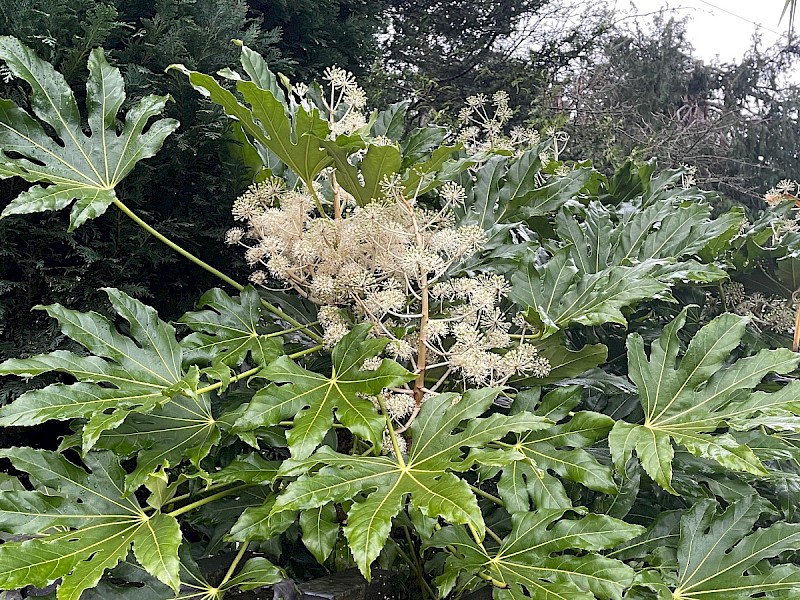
[[461, 360]]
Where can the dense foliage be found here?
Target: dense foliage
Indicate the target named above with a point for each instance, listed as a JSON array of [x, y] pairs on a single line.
[[189, 187], [486, 366]]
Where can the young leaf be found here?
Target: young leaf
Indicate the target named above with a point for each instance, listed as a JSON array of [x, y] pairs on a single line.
[[311, 398], [122, 375], [378, 163], [721, 557], [445, 425], [684, 401], [546, 556], [85, 168], [228, 330], [391, 122], [83, 526]]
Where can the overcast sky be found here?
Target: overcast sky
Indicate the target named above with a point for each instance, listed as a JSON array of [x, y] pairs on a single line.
[[722, 28]]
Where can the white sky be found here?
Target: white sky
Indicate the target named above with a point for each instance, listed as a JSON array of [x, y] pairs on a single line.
[[721, 28]]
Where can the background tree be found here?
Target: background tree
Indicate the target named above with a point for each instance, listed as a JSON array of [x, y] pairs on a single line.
[[442, 52], [644, 94]]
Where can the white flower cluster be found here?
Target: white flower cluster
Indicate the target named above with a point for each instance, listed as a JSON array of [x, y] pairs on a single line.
[[388, 447], [345, 103], [389, 263], [786, 189], [368, 261], [482, 127], [480, 330], [688, 176]]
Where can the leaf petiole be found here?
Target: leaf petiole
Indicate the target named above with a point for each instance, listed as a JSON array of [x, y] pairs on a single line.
[[493, 581], [204, 265], [479, 492], [207, 500], [231, 569], [413, 561]]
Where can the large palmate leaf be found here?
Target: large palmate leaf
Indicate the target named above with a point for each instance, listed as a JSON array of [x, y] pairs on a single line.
[[720, 557], [228, 330], [686, 399], [183, 428], [81, 167], [82, 526], [445, 426], [666, 230], [294, 138], [544, 556], [311, 398], [561, 450], [505, 192], [123, 373], [559, 294]]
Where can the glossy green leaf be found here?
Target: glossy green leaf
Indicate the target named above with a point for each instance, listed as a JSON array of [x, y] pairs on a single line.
[[255, 573], [391, 122], [546, 556], [421, 141], [184, 428], [560, 449], [311, 398], [505, 192], [72, 164], [246, 468], [364, 182], [260, 523], [688, 398], [295, 139], [556, 191], [445, 425], [320, 529], [557, 294], [228, 330], [721, 557], [123, 374], [669, 230], [565, 363], [88, 527]]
